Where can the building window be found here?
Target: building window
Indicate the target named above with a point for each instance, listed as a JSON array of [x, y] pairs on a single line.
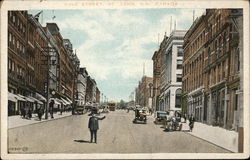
[[178, 78], [14, 43], [178, 98], [10, 37], [179, 64], [23, 50], [179, 51], [18, 23], [17, 45], [14, 19], [13, 66], [24, 29], [9, 64]]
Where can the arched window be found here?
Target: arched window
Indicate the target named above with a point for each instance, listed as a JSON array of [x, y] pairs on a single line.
[[178, 98]]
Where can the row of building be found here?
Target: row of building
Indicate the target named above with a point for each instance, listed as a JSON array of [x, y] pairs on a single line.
[[42, 66], [199, 71]]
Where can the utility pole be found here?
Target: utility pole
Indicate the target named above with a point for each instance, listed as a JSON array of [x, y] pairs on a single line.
[[193, 15], [170, 24], [47, 89]]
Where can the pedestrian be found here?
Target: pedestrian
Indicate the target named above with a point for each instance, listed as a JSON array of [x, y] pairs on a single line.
[[26, 111], [51, 108], [191, 122], [22, 111], [29, 113], [149, 110], [40, 112], [185, 117], [94, 126], [61, 108]]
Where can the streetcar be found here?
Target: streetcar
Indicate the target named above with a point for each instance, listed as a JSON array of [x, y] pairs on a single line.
[[112, 106]]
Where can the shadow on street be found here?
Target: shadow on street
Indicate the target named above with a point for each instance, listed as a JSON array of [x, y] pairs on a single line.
[[81, 141]]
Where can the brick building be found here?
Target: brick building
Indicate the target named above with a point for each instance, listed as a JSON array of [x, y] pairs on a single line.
[[211, 74], [17, 68], [38, 55], [143, 95], [69, 64], [156, 78]]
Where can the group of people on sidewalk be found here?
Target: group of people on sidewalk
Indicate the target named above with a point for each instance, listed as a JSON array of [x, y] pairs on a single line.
[[191, 120], [27, 111]]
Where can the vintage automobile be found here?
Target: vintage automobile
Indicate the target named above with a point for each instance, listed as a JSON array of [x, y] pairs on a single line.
[[172, 122], [80, 109], [160, 116], [140, 115]]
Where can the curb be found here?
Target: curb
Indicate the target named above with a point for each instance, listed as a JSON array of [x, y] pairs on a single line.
[[40, 122]]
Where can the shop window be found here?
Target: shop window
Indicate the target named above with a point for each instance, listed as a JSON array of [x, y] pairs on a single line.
[[236, 101], [178, 98]]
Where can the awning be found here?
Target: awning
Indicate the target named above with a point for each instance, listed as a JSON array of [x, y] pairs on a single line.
[[40, 97], [58, 100], [68, 100], [12, 97], [36, 100], [65, 102], [55, 100], [26, 98]]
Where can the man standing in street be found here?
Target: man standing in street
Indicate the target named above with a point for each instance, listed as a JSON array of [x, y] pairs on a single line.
[[94, 126]]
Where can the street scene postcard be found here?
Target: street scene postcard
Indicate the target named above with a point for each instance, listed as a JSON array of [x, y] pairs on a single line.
[[133, 79]]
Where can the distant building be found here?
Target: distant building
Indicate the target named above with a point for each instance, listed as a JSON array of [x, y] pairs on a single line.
[[81, 86], [157, 69], [98, 95], [69, 64], [171, 71], [91, 90], [144, 92]]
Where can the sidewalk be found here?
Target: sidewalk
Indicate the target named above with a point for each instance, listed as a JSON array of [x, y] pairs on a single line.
[[17, 121], [216, 135]]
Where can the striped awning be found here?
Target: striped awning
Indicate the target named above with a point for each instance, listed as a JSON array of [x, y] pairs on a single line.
[[65, 102], [36, 100], [40, 97], [26, 98], [68, 100], [12, 97]]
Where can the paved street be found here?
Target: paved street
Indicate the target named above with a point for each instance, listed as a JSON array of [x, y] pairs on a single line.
[[117, 134]]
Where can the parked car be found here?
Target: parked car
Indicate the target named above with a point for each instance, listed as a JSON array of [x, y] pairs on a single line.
[[160, 117], [172, 122], [140, 115]]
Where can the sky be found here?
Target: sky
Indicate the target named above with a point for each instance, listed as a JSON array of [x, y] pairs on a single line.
[[113, 44]]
